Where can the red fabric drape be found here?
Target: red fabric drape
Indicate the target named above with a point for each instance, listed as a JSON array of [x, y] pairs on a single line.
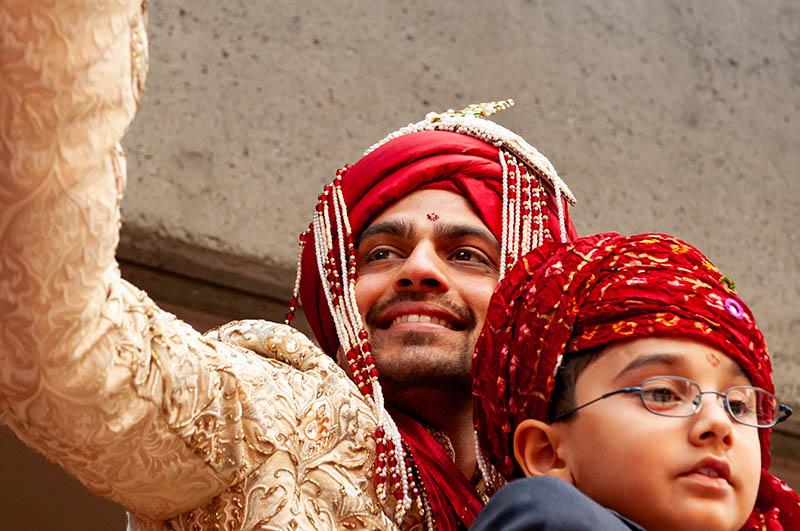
[[453, 501]]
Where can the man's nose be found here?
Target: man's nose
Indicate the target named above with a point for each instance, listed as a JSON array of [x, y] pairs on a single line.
[[423, 270]]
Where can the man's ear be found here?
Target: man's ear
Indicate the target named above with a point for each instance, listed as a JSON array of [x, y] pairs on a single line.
[[537, 449]]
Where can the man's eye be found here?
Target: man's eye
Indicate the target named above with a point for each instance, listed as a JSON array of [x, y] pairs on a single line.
[[380, 254], [466, 255]]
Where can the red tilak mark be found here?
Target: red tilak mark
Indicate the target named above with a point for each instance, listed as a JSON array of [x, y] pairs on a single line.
[[432, 216], [713, 359]]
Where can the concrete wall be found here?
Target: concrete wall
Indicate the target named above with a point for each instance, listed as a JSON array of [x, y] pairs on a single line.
[[672, 116]]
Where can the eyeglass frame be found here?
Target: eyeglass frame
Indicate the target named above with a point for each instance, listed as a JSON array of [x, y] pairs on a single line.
[[785, 411]]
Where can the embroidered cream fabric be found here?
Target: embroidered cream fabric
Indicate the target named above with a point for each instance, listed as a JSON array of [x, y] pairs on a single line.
[[250, 427]]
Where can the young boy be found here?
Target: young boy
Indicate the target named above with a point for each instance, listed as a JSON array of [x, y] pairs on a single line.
[[625, 378]]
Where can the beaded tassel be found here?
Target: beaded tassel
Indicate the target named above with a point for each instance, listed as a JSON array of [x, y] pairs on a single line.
[[290, 315], [521, 223], [336, 261]]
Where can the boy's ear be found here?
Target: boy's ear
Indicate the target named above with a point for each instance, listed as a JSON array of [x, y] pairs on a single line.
[[536, 449]]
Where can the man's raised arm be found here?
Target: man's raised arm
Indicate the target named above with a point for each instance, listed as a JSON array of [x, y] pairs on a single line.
[[138, 405]]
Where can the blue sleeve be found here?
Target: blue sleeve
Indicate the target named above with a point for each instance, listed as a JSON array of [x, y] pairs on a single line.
[[546, 504]]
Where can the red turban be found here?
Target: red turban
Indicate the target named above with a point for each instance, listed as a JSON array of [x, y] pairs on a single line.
[[565, 298], [440, 160]]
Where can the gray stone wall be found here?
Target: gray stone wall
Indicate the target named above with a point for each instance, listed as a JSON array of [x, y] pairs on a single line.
[[673, 116]]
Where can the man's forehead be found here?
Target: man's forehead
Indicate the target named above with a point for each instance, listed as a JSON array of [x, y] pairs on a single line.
[[431, 206], [409, 230], [443, 214]]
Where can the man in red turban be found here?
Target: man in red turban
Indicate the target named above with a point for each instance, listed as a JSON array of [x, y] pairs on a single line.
[[665, 315], [397, 269]]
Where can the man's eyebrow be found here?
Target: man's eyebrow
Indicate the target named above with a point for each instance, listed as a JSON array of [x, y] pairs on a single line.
[[397, 228], [455, 231], [670, 360]]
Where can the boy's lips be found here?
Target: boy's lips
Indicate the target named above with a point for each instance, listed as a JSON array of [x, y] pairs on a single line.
[[710, 472], [418, 314]]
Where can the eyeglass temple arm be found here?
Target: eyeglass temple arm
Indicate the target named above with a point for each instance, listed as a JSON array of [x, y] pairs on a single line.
[[566, 414], [786, 412]]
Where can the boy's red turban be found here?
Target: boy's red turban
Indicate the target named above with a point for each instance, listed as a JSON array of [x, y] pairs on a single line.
[[567, 297]]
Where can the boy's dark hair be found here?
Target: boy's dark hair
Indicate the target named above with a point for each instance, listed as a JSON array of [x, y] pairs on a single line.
[[563, 397]]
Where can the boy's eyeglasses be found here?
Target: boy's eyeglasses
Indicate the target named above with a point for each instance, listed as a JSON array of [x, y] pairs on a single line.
[[675, 396]]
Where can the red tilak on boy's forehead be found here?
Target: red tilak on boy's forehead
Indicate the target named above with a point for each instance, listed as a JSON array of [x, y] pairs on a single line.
[[713, 359], [433, 216]]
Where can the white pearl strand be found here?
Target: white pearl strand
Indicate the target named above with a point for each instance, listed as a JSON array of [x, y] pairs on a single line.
[[297, 277], [352, 317], [346, 339], [562, 222], [320, 248], [517, 209], [527, 244], [540, 204], [482, 466], [504, 215]]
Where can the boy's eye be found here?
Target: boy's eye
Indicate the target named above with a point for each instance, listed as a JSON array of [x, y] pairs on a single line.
[[739, 408], [742, 403], [661, 396]]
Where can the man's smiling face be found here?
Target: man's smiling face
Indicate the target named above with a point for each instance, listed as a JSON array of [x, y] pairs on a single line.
[[427, 268]]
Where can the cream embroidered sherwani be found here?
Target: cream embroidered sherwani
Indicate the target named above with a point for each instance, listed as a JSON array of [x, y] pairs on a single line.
[[251, 427]]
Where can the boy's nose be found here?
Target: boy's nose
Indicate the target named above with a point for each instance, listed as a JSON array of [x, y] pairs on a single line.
[[712, 423]]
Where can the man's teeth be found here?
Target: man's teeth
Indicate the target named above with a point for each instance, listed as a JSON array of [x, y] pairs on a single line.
[[416, 318], [710, 472]]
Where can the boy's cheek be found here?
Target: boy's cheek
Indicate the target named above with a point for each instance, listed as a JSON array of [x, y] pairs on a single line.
[[752, 463]]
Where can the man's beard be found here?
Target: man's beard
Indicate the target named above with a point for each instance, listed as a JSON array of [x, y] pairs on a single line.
[[424, 360]]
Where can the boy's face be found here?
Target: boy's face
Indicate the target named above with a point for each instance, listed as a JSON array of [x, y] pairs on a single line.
[[661, 471]]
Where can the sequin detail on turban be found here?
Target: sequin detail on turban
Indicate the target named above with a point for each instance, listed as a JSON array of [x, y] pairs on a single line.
[[565, 298], [441, 160]]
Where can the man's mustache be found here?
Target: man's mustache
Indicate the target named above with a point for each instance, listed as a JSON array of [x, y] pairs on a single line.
[[462, 312]]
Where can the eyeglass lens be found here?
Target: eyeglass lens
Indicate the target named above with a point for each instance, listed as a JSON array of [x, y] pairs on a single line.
[[679, 397]]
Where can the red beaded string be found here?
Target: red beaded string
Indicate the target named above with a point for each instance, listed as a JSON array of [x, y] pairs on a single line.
[[290, 315]]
